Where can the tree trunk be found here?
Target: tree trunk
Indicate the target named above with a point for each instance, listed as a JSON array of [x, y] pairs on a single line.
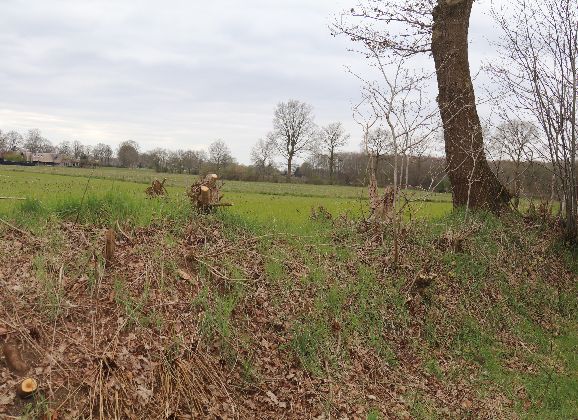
[[331, 166], [289, 161], [474, 185]]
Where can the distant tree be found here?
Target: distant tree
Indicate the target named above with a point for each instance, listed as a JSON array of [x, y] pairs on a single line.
[[220, 155], [514, 140], [102, 153], [192, 160], [159, 158], [175, 161], [128, 154], [13, 140], [64, 148], [332, 138], [107, 154], [77, 149], [35, 143], [293, 130], [2, 141], [262, 155]]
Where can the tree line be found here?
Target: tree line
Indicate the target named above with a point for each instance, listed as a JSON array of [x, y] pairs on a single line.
[[510, 145]]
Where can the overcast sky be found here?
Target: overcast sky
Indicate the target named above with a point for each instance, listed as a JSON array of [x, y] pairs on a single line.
[[178, 73]]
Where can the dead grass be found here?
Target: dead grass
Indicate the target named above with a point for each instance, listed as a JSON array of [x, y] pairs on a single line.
[[212, 321]]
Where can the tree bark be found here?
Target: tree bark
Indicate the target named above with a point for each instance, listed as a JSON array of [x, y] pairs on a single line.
[[289, 160], [331, 166], [474, 185]]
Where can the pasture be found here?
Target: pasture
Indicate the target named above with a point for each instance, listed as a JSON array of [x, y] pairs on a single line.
[[119, 194]]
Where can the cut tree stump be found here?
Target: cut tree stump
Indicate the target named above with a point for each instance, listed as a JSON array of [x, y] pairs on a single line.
[[27, 388], [205, 198], [109, 246], [205, 194]]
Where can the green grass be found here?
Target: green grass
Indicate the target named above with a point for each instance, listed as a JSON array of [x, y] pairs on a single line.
[[118, 194], [145, 176]]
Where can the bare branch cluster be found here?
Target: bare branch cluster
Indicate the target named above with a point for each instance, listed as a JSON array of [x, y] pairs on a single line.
[[397, 27], [538, 73]]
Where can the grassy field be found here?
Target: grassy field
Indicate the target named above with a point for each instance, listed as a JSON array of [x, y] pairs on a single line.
[[120, 194]]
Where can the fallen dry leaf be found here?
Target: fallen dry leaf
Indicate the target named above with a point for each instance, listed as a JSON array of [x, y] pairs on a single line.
[[184, 275], [273, 397]]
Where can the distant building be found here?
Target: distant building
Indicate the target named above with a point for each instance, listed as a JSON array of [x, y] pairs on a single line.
[[26, 157]]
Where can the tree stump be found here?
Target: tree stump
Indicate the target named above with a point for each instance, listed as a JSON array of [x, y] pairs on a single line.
[[205, 194], [26, 388]]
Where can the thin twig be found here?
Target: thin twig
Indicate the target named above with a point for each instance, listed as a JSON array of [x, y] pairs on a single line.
[[83, 196], [15, 228]]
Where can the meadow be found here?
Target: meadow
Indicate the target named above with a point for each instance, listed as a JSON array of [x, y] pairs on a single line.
[[277, 207]]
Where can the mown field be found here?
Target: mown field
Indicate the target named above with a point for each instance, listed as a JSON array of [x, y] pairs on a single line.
[[120, 193], [262, 311]]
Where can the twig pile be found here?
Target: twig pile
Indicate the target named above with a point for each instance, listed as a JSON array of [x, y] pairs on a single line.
[[157, 189]]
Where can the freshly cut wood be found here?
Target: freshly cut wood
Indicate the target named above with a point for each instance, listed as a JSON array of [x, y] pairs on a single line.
[[205, 195], [211, 180], [14, 359], [110, 238], [27, 388]]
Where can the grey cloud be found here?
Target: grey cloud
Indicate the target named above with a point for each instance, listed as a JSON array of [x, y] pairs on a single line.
[[173, 73]]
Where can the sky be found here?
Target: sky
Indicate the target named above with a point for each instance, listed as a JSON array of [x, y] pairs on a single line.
[[180, 74]]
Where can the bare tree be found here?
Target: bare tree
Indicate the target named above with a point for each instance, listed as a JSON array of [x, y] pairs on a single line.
[[263, 154], [293, 130], [192, 160], [514, 140], [77, 149], [36, 143], [159, 158], [378, 141], [64, 148], [365, 117], [220, 155], [332, 138], [396, 98], [3, 141], [127, 154], [103, 153], [375, 144], [13, 140], [439, 27], [539, 69]]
